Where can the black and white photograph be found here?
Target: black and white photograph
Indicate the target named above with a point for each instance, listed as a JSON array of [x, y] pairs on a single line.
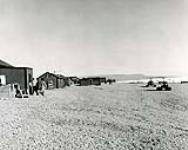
[[93, 75]]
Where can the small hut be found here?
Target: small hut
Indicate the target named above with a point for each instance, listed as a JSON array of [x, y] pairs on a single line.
[[90, 81], [54, 80]]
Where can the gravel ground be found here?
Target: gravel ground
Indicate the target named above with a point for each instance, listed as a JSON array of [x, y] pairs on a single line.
[[119, 116]]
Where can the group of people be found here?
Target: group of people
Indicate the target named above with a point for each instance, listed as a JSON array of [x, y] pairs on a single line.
[[37, 87]]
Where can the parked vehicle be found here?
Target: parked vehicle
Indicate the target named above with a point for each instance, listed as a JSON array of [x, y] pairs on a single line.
[[163, 86]]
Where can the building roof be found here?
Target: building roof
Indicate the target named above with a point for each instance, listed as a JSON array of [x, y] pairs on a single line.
[[4, 64], [73, 78], [55, 75], [59, 76], [88, 78]]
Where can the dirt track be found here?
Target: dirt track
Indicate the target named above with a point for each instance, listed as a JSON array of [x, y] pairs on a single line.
[[106, 117]]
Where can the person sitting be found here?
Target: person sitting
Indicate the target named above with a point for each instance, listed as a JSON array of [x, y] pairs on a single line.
[[18, 91]]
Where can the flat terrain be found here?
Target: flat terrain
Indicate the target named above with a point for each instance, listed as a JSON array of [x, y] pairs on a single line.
[[118, 116]]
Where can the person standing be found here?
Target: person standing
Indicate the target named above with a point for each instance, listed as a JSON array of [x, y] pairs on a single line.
[[42, 87], [31, 92], [36, 86]]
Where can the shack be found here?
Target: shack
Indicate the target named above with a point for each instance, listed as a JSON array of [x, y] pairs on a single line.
[[20, 75], [54, 80], [90, 81], [85, 82]]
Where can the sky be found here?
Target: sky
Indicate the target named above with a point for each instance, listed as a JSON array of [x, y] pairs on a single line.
[[88, 37]]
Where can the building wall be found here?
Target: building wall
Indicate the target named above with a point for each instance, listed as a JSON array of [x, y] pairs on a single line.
[[29, 77], [61, 83], [96, 81], [85, 82], [73, 80], [51, 83], [90, 81]]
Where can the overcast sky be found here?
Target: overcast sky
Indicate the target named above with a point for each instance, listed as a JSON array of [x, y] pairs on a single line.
[[80, 37]]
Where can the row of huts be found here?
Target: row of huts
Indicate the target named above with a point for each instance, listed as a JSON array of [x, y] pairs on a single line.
[[24, 77], [59, 81]]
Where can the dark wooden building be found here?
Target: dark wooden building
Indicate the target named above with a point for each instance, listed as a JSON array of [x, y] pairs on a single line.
[[20, 75], [85, 82], [54, 80], [90, 81]]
